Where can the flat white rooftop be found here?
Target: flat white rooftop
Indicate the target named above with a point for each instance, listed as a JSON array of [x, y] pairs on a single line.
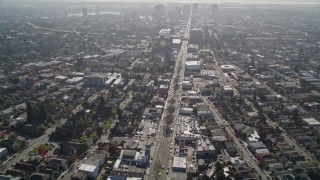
[[179, 162], [189, 63], [87, 168], [311, 121]]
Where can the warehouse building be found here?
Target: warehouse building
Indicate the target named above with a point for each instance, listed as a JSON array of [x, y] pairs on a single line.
[[193, 65]]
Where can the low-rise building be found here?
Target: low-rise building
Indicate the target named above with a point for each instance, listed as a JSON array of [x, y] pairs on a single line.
[[205, 150], [137, 157], [165, 33], [179, 164], [231, 149], [193, 65], [152, 113], [228, 68], [91, 171], [3, 152], [311, 122], [193, 48], [128, 172], [57, 162]]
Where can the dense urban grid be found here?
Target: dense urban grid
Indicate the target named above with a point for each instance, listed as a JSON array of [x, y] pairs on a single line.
[[133, 91]]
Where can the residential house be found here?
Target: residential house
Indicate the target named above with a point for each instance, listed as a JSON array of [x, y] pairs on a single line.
[[39, 176], [231, 149], [57, 162]]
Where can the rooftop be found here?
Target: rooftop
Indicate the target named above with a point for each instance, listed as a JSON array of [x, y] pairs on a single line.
[[189, 63], [179, 162], [87, 168], [165, 31], [311, 121]]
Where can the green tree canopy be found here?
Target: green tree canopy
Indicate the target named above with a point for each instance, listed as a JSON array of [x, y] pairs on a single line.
[[94, 136]]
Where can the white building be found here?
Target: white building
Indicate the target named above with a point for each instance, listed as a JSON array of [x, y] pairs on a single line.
[[227, 90], [228, 68], [193, 65], [165, 33], [179, 164], [110, 81], [117, 82], [91, 171], [74, 80], [311, 122], [3, 152]]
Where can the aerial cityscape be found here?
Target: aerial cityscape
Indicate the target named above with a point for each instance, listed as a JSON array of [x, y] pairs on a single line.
[[159, 91]]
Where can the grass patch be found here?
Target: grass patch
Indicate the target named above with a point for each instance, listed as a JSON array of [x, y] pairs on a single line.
[[34, 151], [41, 149]]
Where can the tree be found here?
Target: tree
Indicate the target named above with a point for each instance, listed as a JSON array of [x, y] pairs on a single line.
[[171, 109], [79, 62], [101, 103], [296, 68], [172, 101], [94, 136], [189, 176], [205, 177], [252, 62], [12, 136], [218, 166], [14, 80], [119, 112], [195, 110], [83, 138], [73, 119], [314, 162], [295, 116], [314, 174], [254, 96], [155, 79], [220, 176], [30, 112], [318, 69], [42, 149], [167, 130], [237, 176], [62, 146]]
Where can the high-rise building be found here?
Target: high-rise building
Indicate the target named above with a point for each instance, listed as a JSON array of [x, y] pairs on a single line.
[[96, 80], [159, 8], [84, 12], [196, 36], [195, 6], [97, 10], [158, 12], [214, 9]]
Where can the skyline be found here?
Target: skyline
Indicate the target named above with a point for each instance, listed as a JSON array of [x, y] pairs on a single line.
[[171, 1]]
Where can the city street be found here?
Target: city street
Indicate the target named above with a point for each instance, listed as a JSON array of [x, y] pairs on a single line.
[[244, 152], [34, 143], [162, 156]]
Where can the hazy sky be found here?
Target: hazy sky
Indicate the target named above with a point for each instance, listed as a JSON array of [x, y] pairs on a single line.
[[186, 1]]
